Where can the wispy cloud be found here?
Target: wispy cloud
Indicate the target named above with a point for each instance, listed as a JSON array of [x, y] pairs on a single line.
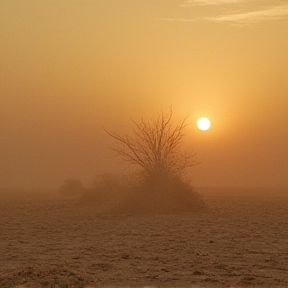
[[190, 3], [234, 11], [272, 13]]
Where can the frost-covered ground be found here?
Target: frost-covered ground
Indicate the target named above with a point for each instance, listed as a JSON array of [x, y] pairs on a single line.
[[241, 241]]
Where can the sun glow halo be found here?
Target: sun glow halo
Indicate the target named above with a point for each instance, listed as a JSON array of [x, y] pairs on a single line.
[[203, 123]]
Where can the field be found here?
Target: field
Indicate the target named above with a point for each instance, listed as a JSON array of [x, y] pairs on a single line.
[[240, 241]]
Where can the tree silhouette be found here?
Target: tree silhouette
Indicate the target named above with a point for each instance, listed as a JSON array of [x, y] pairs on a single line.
[[156, 146]]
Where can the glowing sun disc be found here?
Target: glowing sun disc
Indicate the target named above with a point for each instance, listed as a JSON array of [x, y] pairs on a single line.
[[203, 123]]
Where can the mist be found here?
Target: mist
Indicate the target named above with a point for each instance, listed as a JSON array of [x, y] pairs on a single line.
[[68, 71]]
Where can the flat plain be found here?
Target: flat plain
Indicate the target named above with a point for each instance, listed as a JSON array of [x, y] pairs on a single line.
[[240, 241]]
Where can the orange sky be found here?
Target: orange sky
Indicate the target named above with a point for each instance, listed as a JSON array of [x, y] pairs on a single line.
[[70, 66]]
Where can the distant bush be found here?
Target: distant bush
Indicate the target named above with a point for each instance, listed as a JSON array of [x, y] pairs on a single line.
[[71, 187], [138, 194], [106, 188]]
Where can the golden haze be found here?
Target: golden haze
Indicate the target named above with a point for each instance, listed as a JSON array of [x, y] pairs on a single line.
[[69, 67]]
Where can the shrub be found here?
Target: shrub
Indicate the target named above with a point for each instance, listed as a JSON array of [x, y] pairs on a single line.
[[138, 194], [71, 187]]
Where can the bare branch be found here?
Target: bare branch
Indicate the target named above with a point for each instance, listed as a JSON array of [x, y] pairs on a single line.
[[155, 146]]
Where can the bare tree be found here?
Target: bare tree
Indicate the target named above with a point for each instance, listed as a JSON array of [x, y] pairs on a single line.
[[156, 146]]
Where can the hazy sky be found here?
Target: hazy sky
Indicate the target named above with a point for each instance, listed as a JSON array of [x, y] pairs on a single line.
[[70, 66]]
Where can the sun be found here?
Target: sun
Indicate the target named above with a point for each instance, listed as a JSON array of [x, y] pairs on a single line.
[[203, 123]]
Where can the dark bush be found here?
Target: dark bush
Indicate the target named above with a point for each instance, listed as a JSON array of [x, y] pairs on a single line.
[[139, 194]]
